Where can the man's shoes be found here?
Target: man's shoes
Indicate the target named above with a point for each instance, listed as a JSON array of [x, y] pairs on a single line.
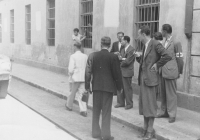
[[69, 109], [142, 134], [118, 105], [162, 116], [128, 107], [172, 119], [111, 138], [84, 114], [149, 135]]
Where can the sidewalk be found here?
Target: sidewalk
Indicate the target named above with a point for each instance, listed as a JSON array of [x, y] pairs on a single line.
[[18, 122], [186, 127]]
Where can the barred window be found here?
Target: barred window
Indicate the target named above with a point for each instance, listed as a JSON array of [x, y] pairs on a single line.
[[28, 24], [86, 22], [51, 22], [12, 39], [0, 29], [147, 14]]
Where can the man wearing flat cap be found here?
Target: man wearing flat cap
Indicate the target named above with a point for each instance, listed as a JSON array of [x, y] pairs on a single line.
[[105, 69]]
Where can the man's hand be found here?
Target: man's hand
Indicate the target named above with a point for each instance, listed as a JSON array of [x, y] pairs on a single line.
[[120, 91], [120, 57], [138, 54], [154, 68], [117, 53]]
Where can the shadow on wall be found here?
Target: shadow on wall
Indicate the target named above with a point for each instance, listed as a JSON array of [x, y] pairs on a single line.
[[63, 53], [38, 52]]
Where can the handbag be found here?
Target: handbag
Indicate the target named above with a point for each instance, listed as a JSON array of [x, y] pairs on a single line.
[[85, 96]]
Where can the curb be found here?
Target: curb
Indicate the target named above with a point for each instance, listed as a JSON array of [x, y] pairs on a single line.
[[135, 127]]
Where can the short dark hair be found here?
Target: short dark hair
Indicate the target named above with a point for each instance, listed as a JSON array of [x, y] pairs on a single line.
[[120, 33], [145, 29], [76, 30], [77, 45], [167, 28], [127, 38], [158, 36], [106, 41]]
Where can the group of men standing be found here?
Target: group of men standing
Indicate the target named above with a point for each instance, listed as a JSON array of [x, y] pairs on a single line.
[[111, 72]]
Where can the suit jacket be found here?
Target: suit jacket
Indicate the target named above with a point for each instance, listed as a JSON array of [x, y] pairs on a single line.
[[115, 47], [76, 68], [105, 71], [155, 54], [127, 66], [170, 69]]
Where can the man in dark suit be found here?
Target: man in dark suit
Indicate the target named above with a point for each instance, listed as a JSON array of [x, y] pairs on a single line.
[[153, 57], [127, 59], [169, 74], [117, 47], [106, 78]]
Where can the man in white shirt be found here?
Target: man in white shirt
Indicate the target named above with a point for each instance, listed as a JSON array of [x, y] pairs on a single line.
[[76, 70]]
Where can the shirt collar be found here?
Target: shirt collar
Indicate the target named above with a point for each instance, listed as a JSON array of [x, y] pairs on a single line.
[[147, 43], [168, 39]]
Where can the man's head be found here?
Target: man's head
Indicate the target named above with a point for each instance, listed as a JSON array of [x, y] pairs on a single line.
[[144, 33], [105, 42], [76, 31], [166, 30], [158, 36], [120, 35], [77, 46], [125, 40]]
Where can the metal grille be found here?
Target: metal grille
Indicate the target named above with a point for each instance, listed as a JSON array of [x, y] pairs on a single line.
[[12, 31], [147, 14], [51, 22], [0, 29], [28, 24], [86, 22]]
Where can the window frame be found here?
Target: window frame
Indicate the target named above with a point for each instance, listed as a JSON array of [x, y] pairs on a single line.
[[50, 30], [12, 26], [86, 22], [147, 13], [27, 28]]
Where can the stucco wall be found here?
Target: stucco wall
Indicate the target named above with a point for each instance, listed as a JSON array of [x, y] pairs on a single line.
[[67, 18]]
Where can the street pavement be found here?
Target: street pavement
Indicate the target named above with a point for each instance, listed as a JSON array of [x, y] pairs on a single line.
[[18, 122], [186, 127], [53, 109]]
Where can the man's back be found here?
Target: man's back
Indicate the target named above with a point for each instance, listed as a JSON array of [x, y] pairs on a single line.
[[106, 71], [77, 66]]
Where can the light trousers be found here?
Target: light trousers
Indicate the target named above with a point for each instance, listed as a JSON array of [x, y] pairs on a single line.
[[77, 90]]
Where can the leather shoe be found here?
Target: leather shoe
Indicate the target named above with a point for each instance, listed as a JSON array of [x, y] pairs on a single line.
[[162, 116], [142, 134], [128, 107], [118, 105], [172, 119], [111, 138], [69, 109], [149, 135], [84, 114]]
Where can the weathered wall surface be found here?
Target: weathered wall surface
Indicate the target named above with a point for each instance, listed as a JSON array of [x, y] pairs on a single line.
[[67, 18], [195, 51]]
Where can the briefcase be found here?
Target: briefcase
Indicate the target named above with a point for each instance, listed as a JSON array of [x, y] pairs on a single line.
[[85, 96], [3, 88]]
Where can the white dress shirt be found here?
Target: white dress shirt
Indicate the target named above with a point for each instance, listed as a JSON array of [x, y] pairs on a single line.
[[167, 41], [146, 46], [77, 64], [119, 46]]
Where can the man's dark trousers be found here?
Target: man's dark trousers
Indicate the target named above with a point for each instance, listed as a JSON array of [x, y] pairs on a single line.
[[102, 101], [128, 91]]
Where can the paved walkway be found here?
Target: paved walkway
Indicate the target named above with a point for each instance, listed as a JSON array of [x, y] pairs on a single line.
[[187, 126], [18, 122]]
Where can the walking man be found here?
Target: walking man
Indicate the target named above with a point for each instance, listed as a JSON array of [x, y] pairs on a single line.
[[106, 77], [127, 60], [153, 57], [169, 74], [76, 69]]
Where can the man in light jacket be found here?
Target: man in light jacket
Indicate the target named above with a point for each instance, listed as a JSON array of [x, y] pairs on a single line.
[[76, 69]]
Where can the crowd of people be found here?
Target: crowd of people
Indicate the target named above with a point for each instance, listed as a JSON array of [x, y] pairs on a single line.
[[105, 73]]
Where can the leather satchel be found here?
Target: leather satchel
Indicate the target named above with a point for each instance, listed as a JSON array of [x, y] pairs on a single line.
[[85, 96]]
